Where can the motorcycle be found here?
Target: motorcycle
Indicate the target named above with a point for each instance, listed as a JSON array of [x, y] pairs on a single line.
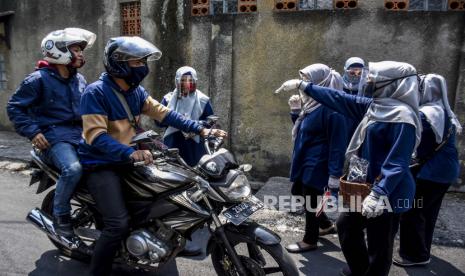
[[168, 200]]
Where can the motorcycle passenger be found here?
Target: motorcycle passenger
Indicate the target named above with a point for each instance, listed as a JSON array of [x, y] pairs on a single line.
[[436, 151], [107, 132], [45, 109], [320, 140], [387, 135], [190, 102]]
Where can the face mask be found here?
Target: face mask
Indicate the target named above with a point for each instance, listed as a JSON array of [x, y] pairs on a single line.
[[137, 75], [187, 86]]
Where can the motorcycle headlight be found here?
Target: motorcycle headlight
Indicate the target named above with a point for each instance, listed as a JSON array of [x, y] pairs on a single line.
[[238, 190]]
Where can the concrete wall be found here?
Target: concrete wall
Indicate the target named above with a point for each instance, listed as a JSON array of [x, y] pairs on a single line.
[[242, 59], [269, 48]]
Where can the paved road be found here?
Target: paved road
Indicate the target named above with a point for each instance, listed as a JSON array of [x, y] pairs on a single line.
[[24, 250]]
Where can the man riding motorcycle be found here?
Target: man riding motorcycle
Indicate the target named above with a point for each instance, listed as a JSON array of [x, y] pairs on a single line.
[[111, 109]]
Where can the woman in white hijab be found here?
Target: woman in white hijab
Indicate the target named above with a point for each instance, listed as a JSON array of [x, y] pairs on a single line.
[[387, 135], [190, 102], [436, 151], [320, 139]]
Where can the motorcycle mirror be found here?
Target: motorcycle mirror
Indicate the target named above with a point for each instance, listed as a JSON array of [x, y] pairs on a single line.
[[245, 167], [144, 137], [212, 119], [173, 152]]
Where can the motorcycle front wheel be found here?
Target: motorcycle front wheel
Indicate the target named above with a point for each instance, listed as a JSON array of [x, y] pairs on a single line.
[[282, 263]]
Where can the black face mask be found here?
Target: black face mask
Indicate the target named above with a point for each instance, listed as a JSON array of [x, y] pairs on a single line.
[[370, 87], [137, 75]]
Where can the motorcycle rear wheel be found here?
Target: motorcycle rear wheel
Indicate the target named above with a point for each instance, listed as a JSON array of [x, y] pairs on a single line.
[[47, 207]]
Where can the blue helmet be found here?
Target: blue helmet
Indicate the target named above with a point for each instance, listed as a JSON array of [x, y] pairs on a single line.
[[120, 50]]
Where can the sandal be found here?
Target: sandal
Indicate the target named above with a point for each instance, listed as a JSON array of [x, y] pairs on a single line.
[[298, 247]]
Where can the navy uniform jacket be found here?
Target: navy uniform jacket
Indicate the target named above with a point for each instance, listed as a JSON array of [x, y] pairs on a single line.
[[319, 148], [441, 166], [107, 131], [189, 150], [49, 104], [387, 146]]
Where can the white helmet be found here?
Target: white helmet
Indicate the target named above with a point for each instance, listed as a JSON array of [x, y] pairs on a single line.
[[55, 44]]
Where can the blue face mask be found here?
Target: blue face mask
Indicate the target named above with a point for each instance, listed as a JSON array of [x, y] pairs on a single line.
[[137, 75]]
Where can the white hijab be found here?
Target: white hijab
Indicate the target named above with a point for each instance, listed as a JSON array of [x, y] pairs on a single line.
[[433, 103], [321, 75], [397, 102], [191, 106]]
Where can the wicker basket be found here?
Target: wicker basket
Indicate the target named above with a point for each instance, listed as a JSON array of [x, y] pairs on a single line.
[[352, 190]]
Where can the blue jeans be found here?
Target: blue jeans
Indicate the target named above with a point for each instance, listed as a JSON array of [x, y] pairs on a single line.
[[64, 157]]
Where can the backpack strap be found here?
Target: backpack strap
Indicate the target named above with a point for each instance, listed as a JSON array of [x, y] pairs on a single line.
[[123, 101]]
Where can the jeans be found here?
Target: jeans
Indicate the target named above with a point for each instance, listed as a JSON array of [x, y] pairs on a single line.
[[64, 157], [373, 257], [105, 187], [417, 224]]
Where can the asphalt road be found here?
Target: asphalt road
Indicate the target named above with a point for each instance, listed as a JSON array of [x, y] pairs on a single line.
[[24, 250]]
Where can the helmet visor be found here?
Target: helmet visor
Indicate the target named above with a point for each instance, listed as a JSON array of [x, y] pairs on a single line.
[[79, 36], [135, 48]]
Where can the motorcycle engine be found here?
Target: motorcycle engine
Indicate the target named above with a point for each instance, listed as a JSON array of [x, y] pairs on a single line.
[[148, 246]]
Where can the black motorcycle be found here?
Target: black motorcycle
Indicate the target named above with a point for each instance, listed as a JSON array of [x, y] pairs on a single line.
[[169, 200]]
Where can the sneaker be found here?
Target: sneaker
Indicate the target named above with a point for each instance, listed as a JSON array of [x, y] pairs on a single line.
[[63, 226], [329, 230], [190, 250], [399, 261]]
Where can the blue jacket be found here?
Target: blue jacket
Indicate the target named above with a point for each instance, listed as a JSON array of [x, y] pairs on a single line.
[[49, 104], [387, 146], [189, 150], [107, 131], [319, 148], [441, 166]]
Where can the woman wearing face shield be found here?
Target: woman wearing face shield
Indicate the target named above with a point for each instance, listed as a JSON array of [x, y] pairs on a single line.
[[320, 140], [352, 73], [388, 132], [436, 151], [187, 100]]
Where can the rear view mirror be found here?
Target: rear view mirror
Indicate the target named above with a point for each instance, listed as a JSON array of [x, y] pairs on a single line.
[[144, 137], [212, 119]]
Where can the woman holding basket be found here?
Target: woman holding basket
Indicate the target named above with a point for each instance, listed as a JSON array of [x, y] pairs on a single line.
[[387, 135]]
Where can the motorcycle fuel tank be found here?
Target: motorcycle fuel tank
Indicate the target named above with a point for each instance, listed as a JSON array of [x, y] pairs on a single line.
[[157, 178]]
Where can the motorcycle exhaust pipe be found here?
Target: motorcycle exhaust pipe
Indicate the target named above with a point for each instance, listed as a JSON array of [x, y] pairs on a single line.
[[45, 223]]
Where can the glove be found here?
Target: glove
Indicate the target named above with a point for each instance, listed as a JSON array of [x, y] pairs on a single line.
[[333, 182], [292, 84], [295, 103], [372, 206]]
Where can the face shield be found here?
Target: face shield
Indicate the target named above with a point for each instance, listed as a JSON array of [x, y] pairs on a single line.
[[76, 36], [353, 74], [135, 48], [368, 84]]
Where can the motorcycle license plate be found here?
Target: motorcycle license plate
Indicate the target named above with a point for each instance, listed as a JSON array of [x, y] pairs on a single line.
[[238, 213]]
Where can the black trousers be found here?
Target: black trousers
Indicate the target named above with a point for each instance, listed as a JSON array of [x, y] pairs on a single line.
[[373, 257], [313, 223], [105, 187], [417, 225]]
